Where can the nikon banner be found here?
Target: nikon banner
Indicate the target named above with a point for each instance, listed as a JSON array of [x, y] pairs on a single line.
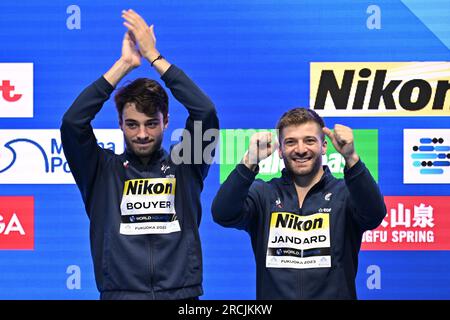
[[361, 89]]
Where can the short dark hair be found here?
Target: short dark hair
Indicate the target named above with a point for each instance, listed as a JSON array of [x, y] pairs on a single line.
[[297, 116], [148, 96]]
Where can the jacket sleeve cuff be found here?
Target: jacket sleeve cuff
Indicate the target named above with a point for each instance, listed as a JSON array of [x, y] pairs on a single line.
[[354, 171], [246, 173], [104, 85], [171, 74]]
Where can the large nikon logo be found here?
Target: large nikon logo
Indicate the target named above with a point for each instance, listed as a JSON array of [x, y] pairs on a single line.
[[380, 89]]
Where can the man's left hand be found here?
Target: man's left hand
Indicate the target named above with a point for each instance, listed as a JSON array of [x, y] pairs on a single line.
[[342, 139]]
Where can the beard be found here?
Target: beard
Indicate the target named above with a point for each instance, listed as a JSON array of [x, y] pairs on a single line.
[[308, 168], [144, 148]]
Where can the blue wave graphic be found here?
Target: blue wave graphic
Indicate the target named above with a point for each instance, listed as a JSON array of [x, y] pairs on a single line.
[[8, 145]]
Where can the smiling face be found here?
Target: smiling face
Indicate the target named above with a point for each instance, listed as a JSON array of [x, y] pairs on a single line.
[[301, 148], [143, 134]]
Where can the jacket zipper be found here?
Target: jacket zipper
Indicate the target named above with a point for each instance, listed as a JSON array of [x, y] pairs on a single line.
[[300, 211], [300, 273], [301, 270], [152, 268]]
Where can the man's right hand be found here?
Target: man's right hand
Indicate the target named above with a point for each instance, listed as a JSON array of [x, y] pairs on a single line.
[[130, 54], [130, 59], [144, 34], [262, 145]]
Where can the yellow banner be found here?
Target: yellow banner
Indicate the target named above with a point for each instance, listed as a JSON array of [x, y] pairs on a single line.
[[150, 186], [287, 220], [375, 89]]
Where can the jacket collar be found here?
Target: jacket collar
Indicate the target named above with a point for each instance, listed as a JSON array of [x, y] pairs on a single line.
[[157, 156]]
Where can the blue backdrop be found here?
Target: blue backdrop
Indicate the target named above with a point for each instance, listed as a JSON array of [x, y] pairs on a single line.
[[253, 59]]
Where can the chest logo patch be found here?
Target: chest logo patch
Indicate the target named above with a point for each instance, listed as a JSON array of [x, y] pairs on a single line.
[[299, 242], [148, 207]]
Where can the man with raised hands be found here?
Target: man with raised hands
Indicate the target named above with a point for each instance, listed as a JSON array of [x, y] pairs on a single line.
[[143, 205], [306, 227]]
